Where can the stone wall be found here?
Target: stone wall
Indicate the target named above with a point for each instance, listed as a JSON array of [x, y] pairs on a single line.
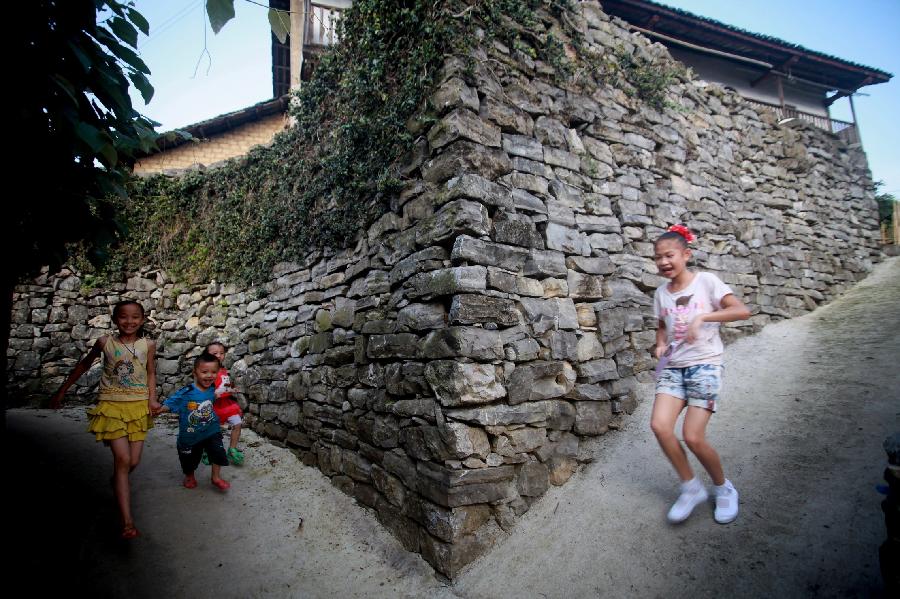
[[448, 369]]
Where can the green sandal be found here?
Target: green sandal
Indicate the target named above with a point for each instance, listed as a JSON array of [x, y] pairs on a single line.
[[236, 456], [205, 458]]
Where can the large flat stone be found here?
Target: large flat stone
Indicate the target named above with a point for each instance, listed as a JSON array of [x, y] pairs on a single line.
[[477, 309], [536, 381], [466, 342], [449, 281], [489, 253], [458, 383]]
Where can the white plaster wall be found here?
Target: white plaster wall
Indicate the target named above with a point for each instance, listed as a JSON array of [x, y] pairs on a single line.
[[804, 98]]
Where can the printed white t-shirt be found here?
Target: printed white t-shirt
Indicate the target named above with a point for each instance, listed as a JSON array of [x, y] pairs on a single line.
[[703, 295]]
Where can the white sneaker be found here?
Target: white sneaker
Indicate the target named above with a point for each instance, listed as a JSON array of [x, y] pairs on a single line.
[[726, 503], [692, 495]]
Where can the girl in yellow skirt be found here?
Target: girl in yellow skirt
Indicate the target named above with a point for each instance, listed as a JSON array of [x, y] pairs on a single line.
[[126, 396]]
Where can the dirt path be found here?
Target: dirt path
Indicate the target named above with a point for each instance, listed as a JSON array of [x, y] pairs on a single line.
[[195, 543], [807, 405]]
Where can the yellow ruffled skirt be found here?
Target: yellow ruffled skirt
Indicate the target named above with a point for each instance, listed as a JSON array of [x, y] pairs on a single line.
[[113, 419]]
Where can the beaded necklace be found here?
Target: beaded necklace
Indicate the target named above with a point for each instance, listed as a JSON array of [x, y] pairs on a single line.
[[133, 349]]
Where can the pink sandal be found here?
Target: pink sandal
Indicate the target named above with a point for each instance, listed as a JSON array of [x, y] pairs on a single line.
[[189, 481], [222, 485]]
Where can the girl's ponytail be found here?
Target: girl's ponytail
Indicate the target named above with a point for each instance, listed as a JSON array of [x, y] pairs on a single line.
[[679, 233], [684, 232]]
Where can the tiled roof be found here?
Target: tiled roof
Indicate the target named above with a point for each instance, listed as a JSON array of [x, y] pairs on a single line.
[[825, 69]]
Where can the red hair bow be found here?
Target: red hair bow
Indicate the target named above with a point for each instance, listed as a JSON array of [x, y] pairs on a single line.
[[683, 231]]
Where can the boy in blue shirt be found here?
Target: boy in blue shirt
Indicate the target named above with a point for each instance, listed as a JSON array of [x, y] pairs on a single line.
[[198, 425]]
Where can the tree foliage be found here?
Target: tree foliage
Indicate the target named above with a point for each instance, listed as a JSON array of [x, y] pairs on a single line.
[[886, 204], [219, 12], [76, 131]]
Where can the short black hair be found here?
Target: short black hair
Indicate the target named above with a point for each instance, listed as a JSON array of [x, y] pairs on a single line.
[[123, 303], [205, 358]]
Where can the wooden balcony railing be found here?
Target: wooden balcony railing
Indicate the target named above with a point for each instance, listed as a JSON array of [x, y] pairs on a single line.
[[843, 129]]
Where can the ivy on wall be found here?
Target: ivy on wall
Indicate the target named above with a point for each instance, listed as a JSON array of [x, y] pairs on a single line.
[[323, 180]]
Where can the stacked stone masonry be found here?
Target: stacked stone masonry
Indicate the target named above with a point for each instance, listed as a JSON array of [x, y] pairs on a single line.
[[450, 367]]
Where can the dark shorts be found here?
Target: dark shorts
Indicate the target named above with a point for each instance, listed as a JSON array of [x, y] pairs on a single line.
[[190, 455]]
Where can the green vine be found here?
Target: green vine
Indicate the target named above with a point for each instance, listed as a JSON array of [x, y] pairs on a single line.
[[325, 179], [650, 80], [320, 181]]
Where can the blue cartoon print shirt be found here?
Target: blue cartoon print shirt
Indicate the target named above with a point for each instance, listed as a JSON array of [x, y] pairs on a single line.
[[195, 423]]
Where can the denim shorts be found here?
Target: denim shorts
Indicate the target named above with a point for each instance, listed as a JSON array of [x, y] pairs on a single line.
[[699, 385]]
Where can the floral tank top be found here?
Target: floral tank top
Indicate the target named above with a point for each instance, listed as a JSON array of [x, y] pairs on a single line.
[[124, 376]]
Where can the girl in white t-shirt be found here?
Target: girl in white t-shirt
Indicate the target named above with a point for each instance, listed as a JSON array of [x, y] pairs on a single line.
[[688, 310]]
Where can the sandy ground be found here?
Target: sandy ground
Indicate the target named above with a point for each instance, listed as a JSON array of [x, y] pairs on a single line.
[[807, 405]]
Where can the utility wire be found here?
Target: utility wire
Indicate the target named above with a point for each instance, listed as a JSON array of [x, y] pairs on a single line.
[[266, 6], [156, 32], [175, 17]]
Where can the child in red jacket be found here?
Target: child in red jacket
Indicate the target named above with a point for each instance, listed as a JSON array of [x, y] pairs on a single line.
[[225, 406]]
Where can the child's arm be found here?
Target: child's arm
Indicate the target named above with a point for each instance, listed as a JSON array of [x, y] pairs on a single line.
[[169, 405], [57, 398], [661, 339], [151, 376], [732, 309]]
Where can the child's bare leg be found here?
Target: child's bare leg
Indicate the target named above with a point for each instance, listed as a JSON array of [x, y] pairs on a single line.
[[136, 448], [666, 409], [694, 430], [216, 471], [121, 451], [235, 435]]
